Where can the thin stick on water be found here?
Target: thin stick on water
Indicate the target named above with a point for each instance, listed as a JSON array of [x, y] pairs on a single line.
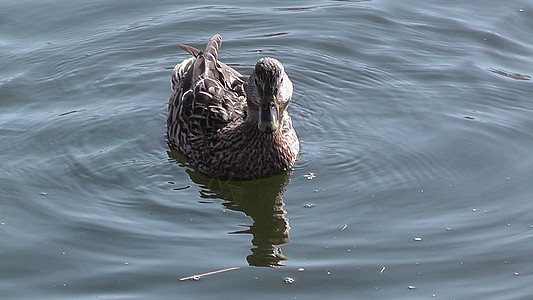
[[208, 273]]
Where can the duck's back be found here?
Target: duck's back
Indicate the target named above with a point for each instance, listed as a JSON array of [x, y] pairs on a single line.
[[207, 95]]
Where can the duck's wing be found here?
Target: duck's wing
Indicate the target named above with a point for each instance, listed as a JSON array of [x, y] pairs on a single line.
[[207, 94]]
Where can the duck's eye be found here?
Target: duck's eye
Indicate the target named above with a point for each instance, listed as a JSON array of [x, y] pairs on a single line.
[[256, 82]]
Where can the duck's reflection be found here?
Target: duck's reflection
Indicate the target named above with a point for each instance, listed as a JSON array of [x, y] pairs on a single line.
[[261, 200]]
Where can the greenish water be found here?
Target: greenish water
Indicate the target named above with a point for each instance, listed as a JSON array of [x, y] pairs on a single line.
[[415, 117]]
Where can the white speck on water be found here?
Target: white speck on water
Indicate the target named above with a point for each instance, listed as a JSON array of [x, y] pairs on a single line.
[[5, 224], [474, 209], [63, 253], [418, 239], [309, 205], [521, 10], [344, 227], [301, 269], [382, 270], [329, 273], [422, 191], [196, 278], [516, 274], [448, 229], [126, 263], [288, 280], [411, 287], [316, 191], [310, 176], [43, 194]]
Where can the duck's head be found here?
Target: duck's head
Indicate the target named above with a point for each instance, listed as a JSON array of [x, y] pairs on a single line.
[[268, 91]]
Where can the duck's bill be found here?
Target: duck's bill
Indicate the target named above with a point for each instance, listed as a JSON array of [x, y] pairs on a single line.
[[268, 116]]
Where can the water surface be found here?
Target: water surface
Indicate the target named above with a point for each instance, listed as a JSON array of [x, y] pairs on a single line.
[[415, 117]]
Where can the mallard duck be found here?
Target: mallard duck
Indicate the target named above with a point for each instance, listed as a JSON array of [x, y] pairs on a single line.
[[228, 125]]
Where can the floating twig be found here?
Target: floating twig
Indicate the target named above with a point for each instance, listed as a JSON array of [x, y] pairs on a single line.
[[197, 277]]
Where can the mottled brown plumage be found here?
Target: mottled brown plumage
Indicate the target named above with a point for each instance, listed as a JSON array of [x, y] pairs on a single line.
[[227, 125]]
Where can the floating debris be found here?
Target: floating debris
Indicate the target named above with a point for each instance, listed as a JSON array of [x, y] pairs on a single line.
[[301, 269], [309, 205], [126, 263], [411, 287], [516, 76], [344, 227], [418, 239], [310, 176], [68, 113], [43, 194], [382, 270], [474, 209], [516, 274], [197, 277], [448, 229], [288, 280]]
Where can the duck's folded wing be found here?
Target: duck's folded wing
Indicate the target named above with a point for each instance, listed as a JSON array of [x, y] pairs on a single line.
[[209, 93]]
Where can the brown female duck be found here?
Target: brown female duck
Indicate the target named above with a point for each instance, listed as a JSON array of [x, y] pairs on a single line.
[[227, 125]]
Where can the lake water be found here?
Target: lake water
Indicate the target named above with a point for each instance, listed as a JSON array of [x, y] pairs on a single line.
[[416, 119]]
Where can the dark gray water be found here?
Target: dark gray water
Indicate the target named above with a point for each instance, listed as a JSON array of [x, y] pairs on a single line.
[[416, 118]]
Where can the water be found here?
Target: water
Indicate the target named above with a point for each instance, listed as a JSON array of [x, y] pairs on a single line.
[[415, 116]]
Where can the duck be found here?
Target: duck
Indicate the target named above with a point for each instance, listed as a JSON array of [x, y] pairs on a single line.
[[228, 125]]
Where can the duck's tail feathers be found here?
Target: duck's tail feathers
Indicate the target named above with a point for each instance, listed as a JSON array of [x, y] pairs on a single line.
[[191, 50], [211, 56], [213, 46]]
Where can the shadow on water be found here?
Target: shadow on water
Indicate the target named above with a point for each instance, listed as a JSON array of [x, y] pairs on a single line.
[[259, 199]]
